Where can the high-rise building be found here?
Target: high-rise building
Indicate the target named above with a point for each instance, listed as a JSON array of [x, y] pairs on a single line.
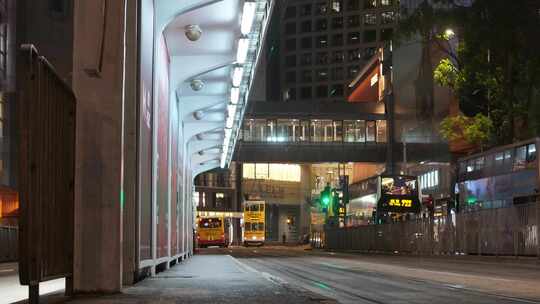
[[315, 48]]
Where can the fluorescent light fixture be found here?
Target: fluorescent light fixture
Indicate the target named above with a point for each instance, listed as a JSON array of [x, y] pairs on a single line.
[[235, 95], [243, 47], [228, 133], [247, 17], [230, 122], [231, 108], [222, 165], [238, 73]]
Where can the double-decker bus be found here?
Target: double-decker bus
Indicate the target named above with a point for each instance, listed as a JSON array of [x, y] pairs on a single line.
[[254, 226], [211, 232], [383, 198], [500, 177]]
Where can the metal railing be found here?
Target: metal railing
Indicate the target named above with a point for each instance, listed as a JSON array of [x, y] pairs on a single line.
[[9, 244], [510, 231], [47, 109]]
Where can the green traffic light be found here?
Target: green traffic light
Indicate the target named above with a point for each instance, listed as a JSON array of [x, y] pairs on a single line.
[[326, 200]]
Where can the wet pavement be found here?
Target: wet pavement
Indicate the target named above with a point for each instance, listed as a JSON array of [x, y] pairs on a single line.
[[205, 278], [355, 278], [279, 274]]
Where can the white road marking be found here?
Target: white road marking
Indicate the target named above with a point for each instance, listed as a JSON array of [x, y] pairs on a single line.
[[273, 278], [266, 275], [459, 274]]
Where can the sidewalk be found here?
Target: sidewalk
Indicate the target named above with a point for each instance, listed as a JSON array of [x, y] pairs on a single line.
[[12, 291], [205, 279]]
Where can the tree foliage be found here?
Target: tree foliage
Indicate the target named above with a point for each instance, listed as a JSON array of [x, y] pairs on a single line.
[[474, 130], [495, 70]]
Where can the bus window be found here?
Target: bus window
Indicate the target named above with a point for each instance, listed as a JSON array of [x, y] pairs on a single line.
[[463, 167], [210, 223], [489, 161], [470, 165], [508, 157], [499, 157], [531, 153], [479, 164], [520, 157]]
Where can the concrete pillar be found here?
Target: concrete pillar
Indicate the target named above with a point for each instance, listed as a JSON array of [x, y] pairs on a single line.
[[130, 222], [98, 72]]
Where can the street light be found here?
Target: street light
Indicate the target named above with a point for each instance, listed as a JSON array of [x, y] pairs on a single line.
[[449, 34]]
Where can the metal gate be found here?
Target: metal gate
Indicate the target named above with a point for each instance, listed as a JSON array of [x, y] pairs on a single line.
[[46, 112], [8, 239]]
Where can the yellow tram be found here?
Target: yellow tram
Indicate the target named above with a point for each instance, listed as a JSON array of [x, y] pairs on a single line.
[[254, 225]]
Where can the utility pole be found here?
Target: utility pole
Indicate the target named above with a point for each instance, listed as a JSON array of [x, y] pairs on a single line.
[[386, 58]]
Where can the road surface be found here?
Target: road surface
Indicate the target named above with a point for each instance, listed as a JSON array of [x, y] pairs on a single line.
[[278, 275], [349, 278]]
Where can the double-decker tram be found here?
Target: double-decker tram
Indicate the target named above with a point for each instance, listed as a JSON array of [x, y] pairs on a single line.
[[383, 199], [211, 232], [254, 225]]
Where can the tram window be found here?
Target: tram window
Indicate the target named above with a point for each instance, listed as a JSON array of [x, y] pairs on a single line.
[[257, 226], [247, 226], [254, 208], [261, 207], [531, 153]]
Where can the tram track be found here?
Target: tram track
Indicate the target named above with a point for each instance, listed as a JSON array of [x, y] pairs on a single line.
[[305, 277], [350, 285]]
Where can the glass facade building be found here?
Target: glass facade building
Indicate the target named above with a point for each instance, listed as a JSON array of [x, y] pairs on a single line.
[[314, 130]]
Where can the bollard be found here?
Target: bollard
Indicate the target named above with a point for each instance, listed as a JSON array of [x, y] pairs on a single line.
[[538, 229]]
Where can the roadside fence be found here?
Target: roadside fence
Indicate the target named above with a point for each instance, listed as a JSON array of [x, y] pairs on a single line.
[[513, 231]]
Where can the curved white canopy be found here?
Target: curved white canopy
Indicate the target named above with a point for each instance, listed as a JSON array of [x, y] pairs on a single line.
[[201, 71]]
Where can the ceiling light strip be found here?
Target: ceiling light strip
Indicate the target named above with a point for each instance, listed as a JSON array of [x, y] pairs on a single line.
[[253, 26]]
